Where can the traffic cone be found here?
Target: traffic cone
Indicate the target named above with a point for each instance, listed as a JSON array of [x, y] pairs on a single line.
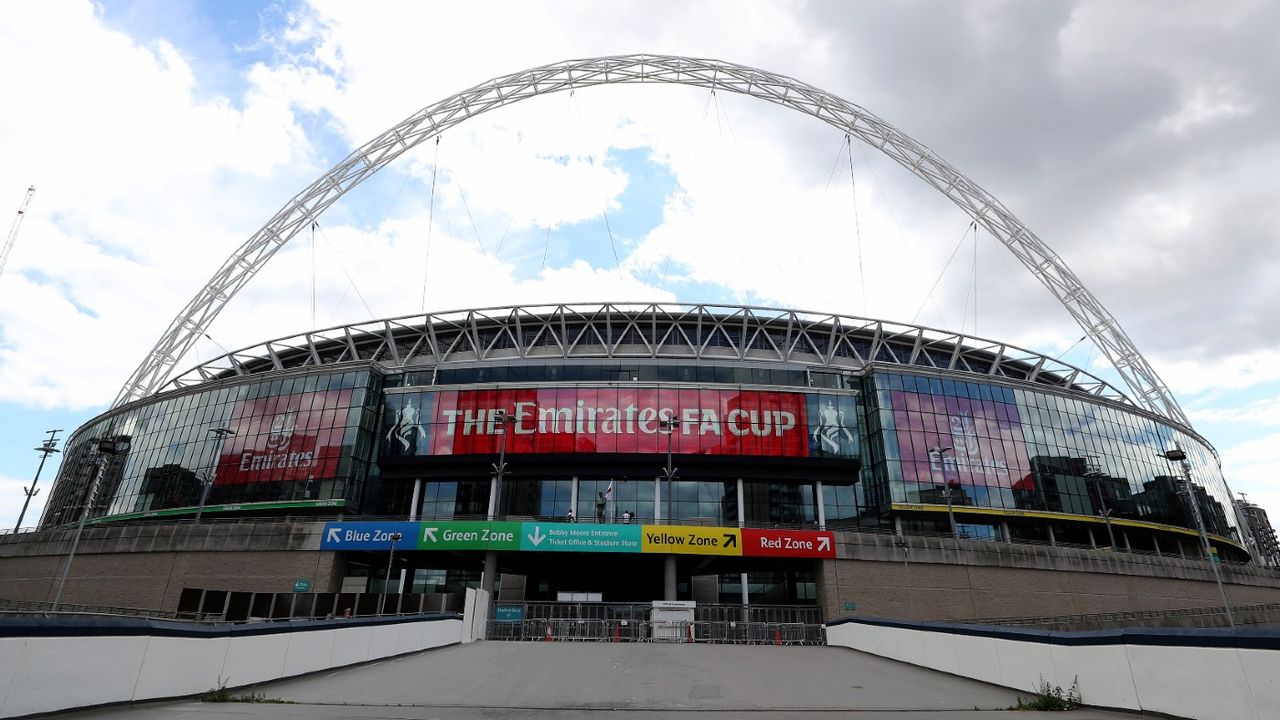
[[777, 636], [548, 638], [617, 632], [690, 632]]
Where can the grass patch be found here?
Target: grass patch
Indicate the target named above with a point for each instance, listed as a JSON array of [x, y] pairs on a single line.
[[1052, 697], [221, 694]]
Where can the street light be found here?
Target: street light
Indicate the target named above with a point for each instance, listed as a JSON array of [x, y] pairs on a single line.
[[48, 446], [391, 557], [500, 468], [108, 446], [1094, 473], [211, 473], [668, 426], [1180, 457], [939, 451]]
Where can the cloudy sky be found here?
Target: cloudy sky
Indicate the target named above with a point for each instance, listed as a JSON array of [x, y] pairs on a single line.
[[1137, 139]]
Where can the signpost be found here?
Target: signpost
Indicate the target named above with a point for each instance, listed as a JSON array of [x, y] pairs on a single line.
[[461, 535], [788, 543], [364, 535], [573, 537], [691, 540]]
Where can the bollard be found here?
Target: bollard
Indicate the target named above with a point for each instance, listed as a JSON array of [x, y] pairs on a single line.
[[777, 636], [690, 632]]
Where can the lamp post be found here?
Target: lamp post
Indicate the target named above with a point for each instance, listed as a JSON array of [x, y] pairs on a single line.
[[211, 473], [939, 452], [108, 446], [391, 558], [500, 468], [668, 426], [48, 446], [1094, 473], [1180, 457]]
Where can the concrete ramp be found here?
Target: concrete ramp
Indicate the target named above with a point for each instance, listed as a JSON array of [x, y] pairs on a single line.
[[653, 677]]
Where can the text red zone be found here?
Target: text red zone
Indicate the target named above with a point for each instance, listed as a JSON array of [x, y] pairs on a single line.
[[284, 438], [788, 543], [709, 421]]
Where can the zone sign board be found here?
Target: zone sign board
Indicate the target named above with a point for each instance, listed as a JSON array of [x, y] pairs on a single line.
[[576, 537], [788, 543]]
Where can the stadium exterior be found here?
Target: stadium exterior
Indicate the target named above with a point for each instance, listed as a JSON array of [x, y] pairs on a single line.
[[783, 421], [638, 452]]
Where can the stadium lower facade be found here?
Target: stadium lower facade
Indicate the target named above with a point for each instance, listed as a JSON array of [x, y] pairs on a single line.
[[534, 443]]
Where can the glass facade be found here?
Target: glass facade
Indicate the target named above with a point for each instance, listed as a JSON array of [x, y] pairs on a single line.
[[877, 442], [1022, 449], [303, 438]]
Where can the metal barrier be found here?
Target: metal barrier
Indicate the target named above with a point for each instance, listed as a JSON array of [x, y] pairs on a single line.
[[729, 632]]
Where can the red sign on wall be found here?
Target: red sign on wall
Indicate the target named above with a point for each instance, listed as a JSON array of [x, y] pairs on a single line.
[[788, 543], [610, 420], [287, 437]]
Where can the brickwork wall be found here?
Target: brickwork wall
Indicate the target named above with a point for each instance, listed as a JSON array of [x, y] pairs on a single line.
[[940, 579]]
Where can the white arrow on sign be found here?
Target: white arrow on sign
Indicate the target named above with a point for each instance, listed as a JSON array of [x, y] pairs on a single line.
[[537, 537], [335, 535], [429, 534], [824, 543]]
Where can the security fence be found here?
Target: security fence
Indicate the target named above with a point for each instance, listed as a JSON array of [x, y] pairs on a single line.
[[630, 622]]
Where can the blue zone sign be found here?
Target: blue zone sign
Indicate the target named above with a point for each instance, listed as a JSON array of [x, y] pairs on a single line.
[[368, 535]]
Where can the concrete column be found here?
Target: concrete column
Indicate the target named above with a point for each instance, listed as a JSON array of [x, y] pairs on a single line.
[[1181, 552], [897, 525], [1092, 543], [746, 600], [657, 500], [669, 578], [1004, 532], [1053, 539], [742, 516], [822, 510], [573, 495], [493, 496], [415, 503], [404, 572], [1125, 535], [489, 579], [1156, 541]]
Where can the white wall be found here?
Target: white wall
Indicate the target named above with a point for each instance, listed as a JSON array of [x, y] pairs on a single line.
[[46, 674], [1182, 681]]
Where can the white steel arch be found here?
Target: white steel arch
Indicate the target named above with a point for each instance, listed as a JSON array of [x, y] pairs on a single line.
[[1098, 323]]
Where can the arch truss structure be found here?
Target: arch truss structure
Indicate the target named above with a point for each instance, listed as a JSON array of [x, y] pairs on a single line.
[[1147, 390]]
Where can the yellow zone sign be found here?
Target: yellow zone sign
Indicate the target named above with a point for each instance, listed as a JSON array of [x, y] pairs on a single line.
[[690, 540]]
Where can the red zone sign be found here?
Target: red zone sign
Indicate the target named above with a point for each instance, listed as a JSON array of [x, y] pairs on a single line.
[[788, 543]]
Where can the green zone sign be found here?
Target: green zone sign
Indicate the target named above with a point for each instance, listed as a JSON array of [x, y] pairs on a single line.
[[469, 535]]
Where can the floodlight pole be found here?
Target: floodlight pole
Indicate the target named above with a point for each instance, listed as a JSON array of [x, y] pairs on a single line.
[[940, 451], [1093, 473], [48, 446], [211, 474], [1180, 457], [500, 468], [668, 426], [391, 558], [106, 447]]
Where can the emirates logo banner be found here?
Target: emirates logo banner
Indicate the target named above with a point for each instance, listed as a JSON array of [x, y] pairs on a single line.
[[288, 437]]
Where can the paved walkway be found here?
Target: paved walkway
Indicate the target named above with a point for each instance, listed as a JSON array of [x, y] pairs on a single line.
[[532, 681]]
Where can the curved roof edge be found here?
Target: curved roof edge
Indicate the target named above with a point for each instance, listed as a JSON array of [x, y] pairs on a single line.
[[649, 330]]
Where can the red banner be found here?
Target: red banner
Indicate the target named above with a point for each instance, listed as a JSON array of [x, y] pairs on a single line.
[[788, 543], [616, 420], [287, 437]]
